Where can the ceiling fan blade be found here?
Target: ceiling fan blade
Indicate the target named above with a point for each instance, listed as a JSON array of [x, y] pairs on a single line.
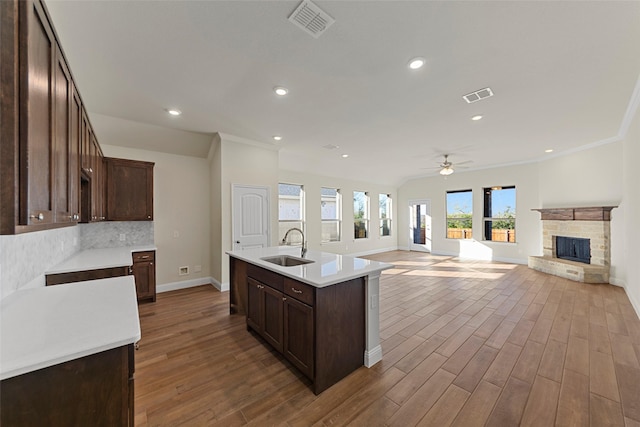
[[463, 163]]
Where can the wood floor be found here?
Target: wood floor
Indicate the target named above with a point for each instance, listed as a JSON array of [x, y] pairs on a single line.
[[464, 344]]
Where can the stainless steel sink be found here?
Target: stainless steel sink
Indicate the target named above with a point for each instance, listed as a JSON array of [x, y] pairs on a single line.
[[286, 260]]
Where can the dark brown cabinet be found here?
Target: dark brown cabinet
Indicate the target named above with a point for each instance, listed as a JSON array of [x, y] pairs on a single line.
[[265, 312], [41, 130], [94, 390], [298, 335], [321, 331], [129, 185], [144, 273]]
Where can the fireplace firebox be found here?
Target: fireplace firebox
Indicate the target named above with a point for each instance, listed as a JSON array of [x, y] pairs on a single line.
[[573, 249]]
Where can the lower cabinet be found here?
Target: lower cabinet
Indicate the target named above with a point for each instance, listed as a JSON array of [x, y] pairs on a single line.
[[95, 390], [144, 273], [321, 331]]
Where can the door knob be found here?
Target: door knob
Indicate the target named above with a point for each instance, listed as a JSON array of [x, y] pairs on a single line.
[[238, 241]]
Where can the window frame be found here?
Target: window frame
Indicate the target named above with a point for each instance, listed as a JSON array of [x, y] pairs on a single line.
[[448, 218], [488, 217], [337, 219], [366, 217], [300, 221], [389, 212]]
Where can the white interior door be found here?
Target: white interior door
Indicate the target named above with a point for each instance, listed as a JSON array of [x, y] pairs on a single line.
[[250, 215], [420, 225]]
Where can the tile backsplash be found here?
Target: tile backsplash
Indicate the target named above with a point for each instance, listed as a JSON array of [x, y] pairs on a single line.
[[24, 258], [113, 234]]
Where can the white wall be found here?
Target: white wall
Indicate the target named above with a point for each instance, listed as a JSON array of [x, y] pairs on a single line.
[[528, 227], [313, 183], [181, 208], [243, 162], [215, 173], [631, 196]]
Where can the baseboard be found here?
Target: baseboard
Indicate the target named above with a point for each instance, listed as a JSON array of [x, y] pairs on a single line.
[[617, 282], [222, 287], [174, 286], [372, 357], [634, 302]]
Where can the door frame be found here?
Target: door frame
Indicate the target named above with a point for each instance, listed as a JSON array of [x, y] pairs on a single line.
[[234, 188], [414, 246]]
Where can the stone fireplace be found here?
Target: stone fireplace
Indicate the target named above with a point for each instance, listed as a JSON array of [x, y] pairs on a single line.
[[581, 237]]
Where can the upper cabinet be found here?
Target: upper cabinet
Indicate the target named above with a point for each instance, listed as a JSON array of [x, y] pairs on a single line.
[[40, 124], [129, 190]]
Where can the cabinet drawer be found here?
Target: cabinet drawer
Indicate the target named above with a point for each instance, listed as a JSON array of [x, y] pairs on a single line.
[[143, 256], [300, 291], [265, 276]]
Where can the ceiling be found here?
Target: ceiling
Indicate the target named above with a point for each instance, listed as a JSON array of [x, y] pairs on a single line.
[[562, 73]]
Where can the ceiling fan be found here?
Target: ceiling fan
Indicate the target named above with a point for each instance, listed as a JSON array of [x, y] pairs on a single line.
[[446, 167]]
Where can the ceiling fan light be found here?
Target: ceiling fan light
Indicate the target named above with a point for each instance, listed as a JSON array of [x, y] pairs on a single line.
[[446, 171]]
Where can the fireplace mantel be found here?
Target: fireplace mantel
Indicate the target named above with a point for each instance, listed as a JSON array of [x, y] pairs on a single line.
[[596, 213]]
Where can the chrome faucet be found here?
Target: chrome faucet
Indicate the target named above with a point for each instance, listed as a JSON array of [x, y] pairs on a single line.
[[303, 252]]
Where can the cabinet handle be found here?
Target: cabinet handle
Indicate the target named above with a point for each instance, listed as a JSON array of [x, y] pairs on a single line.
[[296, 291], [150, 263], [145, 257], [148, 216], [102, 218], [39, 217], [130, 270], [284, 298]]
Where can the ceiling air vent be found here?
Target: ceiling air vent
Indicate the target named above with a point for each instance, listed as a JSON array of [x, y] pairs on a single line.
[[478, 95], [311, 19]]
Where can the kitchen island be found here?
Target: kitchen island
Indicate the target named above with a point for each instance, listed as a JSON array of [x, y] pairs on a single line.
[[321, 311]]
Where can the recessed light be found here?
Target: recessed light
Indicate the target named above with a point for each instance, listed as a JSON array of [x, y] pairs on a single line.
[[476, 118], [280, 91], [416, 63], [549, 150], [174, 111], [344, 156], [277, 137]]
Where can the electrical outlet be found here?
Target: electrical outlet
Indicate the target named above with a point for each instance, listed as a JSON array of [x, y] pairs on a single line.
[[183, 271], [122, 237], [197, 268]]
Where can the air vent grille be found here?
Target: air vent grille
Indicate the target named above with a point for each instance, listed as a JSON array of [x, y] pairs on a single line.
[[478, 95], [311, 19]]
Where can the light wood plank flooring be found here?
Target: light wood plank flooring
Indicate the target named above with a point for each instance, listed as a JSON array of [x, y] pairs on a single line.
[[465, 344]]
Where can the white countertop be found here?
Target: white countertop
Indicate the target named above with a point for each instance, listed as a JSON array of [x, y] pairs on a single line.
[[94, 259], [327, 268], [49, 325]]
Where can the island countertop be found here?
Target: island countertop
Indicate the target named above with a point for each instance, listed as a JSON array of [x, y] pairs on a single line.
[[325, 270], [45, 326]]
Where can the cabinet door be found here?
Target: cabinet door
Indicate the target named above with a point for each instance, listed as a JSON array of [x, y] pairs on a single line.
[[75, 155], [299, 340], [273, 309], [144, 273], [62, 140], [129, 190], [254, 305], [36, 123]]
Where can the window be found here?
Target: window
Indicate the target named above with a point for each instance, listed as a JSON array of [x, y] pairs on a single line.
[[360, 214], [290, 212], [460, 214], [500, 214], [385, 214], [330, 213]]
